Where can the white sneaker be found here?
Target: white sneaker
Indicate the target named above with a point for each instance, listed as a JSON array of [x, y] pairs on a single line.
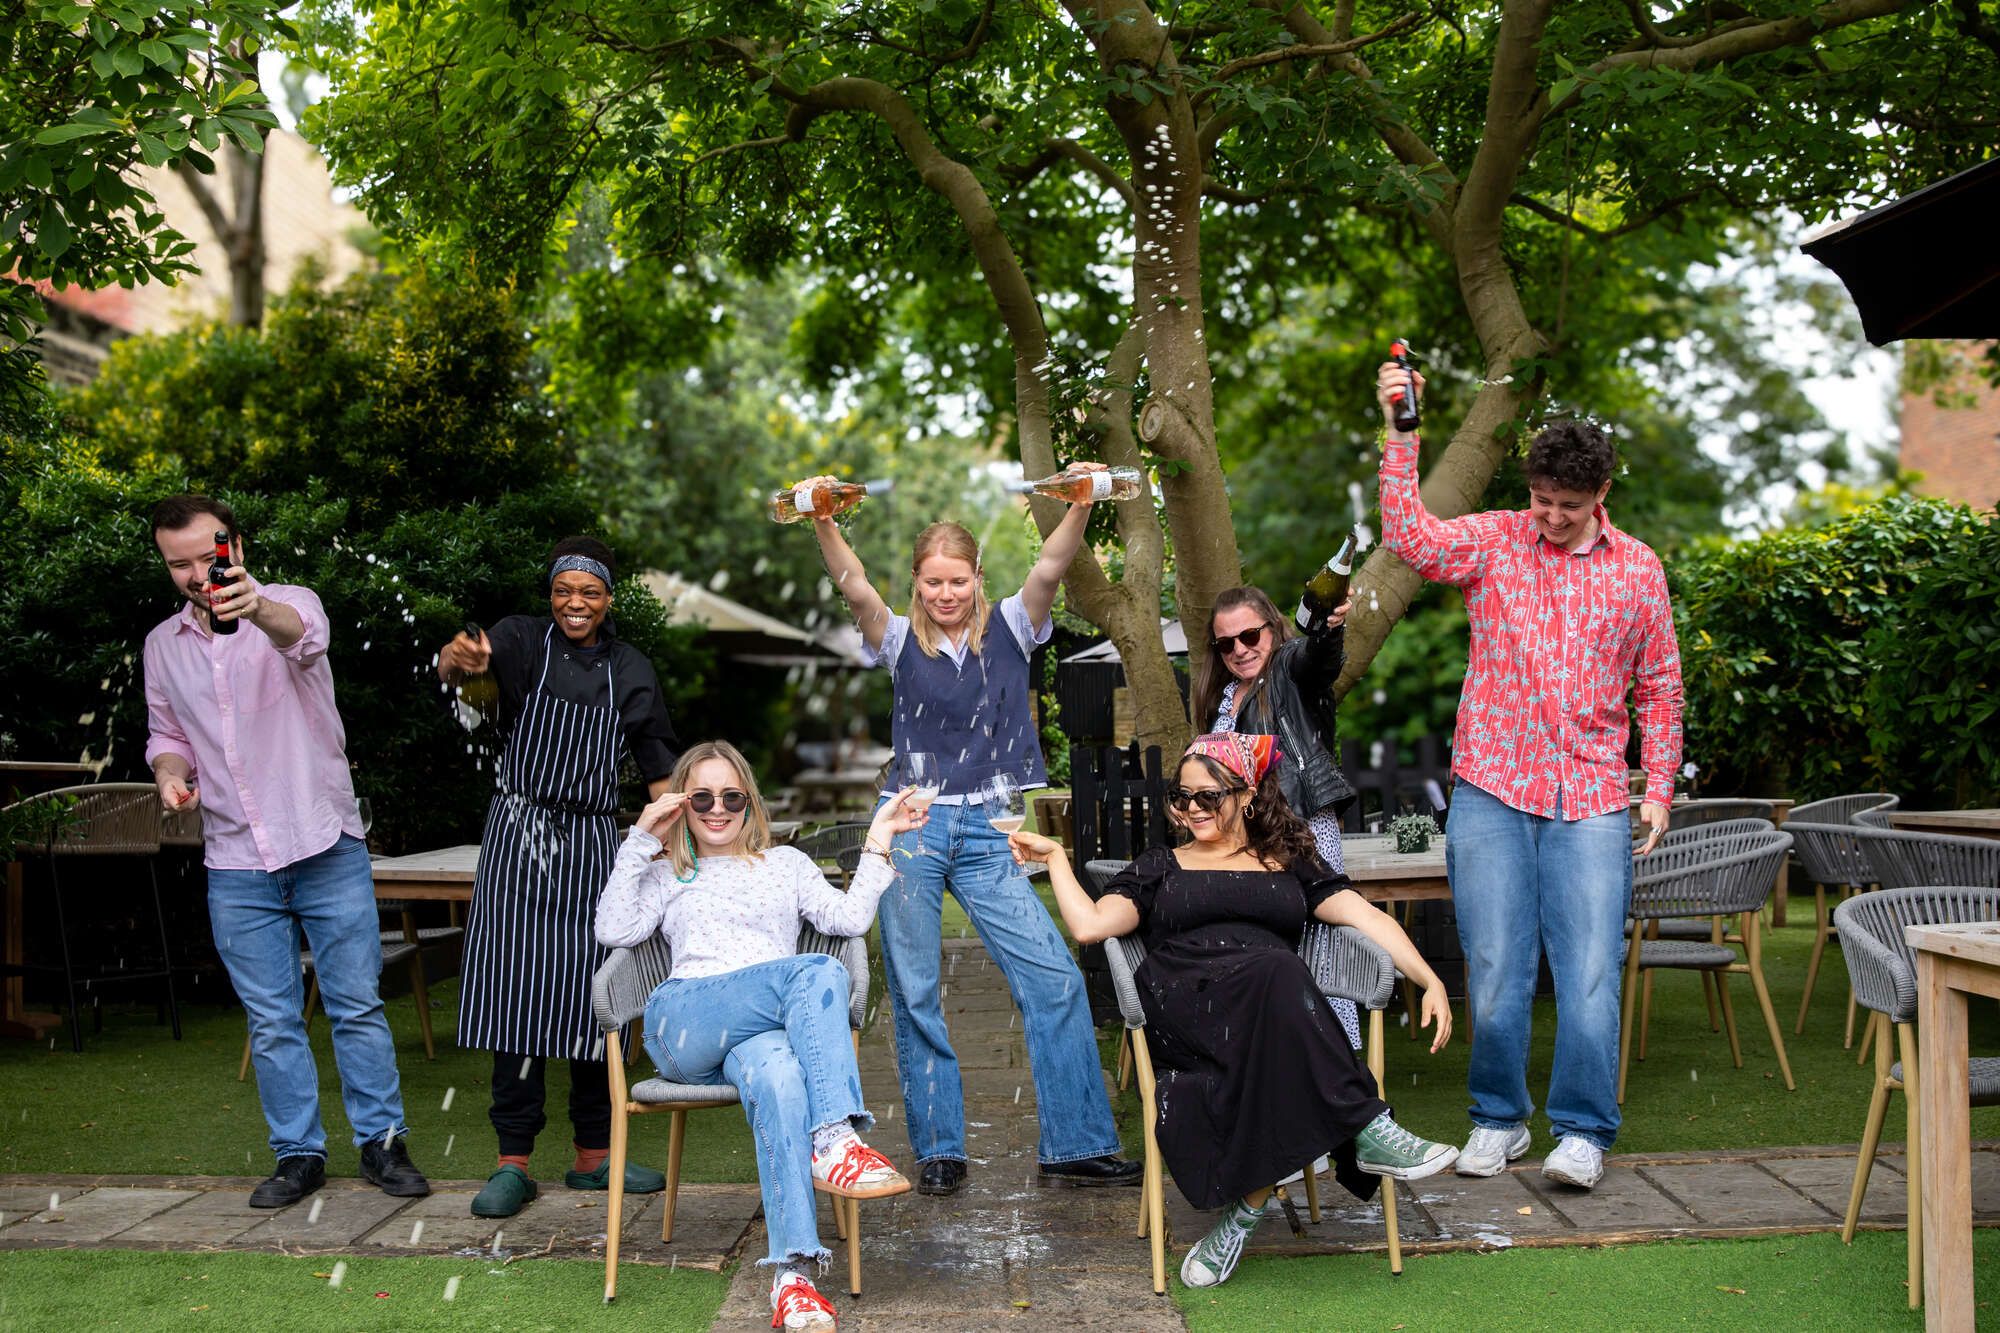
[[1321, 1165], [1489, 1150], [1576, 1161]]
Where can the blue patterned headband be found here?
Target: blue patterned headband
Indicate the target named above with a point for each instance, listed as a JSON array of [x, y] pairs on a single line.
[[581, 564]]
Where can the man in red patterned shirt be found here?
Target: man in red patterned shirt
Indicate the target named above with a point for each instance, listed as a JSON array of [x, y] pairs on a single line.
[[1566, 611]]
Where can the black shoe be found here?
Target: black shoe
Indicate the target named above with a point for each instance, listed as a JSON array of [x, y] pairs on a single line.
[[392, 1169], [943, 1176], [1106, 1170], [295, 1178]]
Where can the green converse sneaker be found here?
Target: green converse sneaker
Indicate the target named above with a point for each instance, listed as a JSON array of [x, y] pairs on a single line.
[[1385, 1148], [1215, 1256]]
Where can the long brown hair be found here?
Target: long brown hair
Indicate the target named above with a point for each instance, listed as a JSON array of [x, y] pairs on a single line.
[[756, 836], [1213, 673], [1274, 835], [954, 542]]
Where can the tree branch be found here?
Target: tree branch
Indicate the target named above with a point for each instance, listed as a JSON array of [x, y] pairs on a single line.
[[205, 200], [1755, 38], [1556, 215], [1055, 150], [1315, 50]]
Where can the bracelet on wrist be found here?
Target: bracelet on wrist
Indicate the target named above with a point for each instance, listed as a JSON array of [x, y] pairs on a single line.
[[870, 849]]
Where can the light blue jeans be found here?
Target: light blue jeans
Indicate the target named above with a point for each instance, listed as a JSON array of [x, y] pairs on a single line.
[[1522, 884], [968, 857], [778, 1033], [257, 917]]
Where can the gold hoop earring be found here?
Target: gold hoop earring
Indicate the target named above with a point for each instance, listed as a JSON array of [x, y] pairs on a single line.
[[1250, 810]]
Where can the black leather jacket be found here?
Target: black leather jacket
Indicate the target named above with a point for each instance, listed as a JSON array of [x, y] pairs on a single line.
[[1295, 704]]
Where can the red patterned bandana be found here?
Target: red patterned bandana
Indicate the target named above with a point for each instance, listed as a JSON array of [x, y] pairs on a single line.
[[1248, 756]]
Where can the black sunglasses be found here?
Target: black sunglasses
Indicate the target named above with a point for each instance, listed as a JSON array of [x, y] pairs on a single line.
[[1227, 643], [701, 802], [1208, 798]]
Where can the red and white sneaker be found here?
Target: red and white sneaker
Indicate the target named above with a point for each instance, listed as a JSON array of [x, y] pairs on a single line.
[[856, 1171], [797, 1304]]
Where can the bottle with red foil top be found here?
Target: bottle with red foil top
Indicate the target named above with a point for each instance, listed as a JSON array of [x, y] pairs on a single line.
[[1406, 402], [218, 577]]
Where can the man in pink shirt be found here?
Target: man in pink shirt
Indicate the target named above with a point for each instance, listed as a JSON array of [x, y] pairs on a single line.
[[1566, 612], [244, 728]]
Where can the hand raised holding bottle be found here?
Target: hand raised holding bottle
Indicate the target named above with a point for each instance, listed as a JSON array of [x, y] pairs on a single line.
[[465, 655], [1392, 383]]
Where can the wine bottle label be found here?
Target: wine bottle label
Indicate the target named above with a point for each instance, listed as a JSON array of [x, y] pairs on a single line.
[[1304, 616], [1100, 485], [802, 497]]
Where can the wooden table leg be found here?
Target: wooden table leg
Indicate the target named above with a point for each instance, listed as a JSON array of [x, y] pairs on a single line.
[[15, 1019], [1944, 1143]]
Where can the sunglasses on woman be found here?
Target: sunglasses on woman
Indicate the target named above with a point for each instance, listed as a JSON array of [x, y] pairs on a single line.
[[733, 801], [1227, 643], [1209, 799]]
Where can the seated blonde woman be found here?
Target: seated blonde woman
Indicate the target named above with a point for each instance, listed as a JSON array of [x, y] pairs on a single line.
[[740, 1002]]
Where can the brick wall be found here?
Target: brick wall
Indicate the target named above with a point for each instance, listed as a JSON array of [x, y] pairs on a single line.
[[1957, 449]]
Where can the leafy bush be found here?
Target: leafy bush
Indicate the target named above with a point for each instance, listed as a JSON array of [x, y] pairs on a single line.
[[382, 444], [1845, 657]]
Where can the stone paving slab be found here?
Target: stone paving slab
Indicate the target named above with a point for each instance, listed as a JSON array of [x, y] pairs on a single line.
[[334, 1218], [1828, 1180], [1736, 1195], [90, 1215], [204, 1218]]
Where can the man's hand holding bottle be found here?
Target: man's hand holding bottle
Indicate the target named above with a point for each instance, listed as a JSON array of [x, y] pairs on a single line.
[[1392, 383]]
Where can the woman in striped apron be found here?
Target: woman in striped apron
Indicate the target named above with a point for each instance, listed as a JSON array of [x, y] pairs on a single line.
[[574, 701]]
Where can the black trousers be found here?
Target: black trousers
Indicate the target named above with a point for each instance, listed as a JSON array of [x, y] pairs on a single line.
[[520, 1101]]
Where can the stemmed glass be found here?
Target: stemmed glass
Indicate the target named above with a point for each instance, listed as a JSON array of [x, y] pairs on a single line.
[[1005, 805], [920, 769]]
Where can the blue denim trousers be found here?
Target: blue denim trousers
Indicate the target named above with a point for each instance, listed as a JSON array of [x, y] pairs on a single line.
[[1522, 885], [968, 857], [777, 1032], [258, 917]]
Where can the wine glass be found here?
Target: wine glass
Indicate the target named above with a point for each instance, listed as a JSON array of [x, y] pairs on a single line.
[[365, 813], [920, 770], [1005, 805]]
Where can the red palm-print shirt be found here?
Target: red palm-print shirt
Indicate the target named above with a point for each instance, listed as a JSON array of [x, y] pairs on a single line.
[[1556, 637]]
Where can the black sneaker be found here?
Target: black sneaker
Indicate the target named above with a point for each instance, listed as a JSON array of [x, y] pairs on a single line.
[[943, 1176], [1105, 1170], [295, 1178], [391, 1169]]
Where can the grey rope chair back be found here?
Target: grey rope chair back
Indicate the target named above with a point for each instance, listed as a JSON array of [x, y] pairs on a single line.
[[1908, 860], [1882, 966], [1708, 812], [1842, 809], [1721, 828], [1709, 877]]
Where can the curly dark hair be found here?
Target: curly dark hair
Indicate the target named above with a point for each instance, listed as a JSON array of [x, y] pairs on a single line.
[[1273, 833], [1571, 456]]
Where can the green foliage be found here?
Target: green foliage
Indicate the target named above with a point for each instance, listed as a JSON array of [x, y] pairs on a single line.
[[94, 92], [381, 444], [1852, 656]]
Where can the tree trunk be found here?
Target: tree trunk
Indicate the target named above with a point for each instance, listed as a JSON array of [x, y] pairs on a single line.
[[239, 230]]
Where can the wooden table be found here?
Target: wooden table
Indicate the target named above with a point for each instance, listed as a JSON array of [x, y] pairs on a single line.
[[1381, 874], [441, 876], [1960, 823], [19, 778], [1952, 963], [843, 788]]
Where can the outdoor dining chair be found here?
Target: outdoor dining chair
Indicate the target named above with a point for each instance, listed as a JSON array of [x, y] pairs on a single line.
[[1835, 863], [824, 846], [104, 819], [1884, 975], [1905, 859], [1344, 963], [1691, 814], [1712, 929], [404, 946], [1715, 877], [618, 995]]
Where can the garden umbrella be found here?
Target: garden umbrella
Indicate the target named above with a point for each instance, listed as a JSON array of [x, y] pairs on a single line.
[[1924, 266]]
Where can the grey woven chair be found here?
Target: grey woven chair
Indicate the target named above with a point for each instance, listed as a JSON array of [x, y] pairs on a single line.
[[1711, 929], [1884, 975], [1344, 963], [825, 845], [397, 948], [1835, 863], [1904, 859], [1714, 877], [1877, 817], [106, 819], [1098, 874], [618, 995], [1695, 813]]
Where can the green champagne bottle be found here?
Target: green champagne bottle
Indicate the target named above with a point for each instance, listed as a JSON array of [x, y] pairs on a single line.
[[1327, 589]]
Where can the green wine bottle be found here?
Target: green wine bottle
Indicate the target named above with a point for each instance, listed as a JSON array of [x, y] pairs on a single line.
[[1327, 589]]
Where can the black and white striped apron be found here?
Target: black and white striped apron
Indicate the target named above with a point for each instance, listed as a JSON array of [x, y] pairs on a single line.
[[530, 946]]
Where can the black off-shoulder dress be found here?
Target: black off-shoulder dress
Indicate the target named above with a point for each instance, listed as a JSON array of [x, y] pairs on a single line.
[[1256, 1077]]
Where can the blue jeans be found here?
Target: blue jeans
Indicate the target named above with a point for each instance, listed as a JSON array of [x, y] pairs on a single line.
[[778, 1033], [970, 858], [1522, 884], [257, 917]]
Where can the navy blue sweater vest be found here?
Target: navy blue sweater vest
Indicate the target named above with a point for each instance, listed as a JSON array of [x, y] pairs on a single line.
[[974, 718]]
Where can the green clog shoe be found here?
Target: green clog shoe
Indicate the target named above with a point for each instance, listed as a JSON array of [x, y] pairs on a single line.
[[638, 1179], [507, 1192]]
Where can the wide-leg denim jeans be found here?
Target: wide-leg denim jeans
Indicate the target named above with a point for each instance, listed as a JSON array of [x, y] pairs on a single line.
[[778, 1033], [1522, 885], [968, 856], [257, 917]]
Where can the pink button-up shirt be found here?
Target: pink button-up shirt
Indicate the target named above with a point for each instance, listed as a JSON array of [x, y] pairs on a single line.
[[1556, 637], [258, 726]]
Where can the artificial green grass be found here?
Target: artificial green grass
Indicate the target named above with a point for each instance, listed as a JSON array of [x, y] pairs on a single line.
[[114, 1289], [1784, 1282]]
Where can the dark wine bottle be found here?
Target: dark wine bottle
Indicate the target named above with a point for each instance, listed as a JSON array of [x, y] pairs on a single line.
[[481, 692], [1327, 589], [218, 577], [1406, 403]]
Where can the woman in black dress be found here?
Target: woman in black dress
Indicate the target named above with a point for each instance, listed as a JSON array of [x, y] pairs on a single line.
[[575, 701], [1256, 1075]]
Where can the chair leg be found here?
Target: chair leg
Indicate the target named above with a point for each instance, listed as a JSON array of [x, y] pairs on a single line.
[[614, 1217], [1411, 1013], [1152, 1184], [1819, 948], [1708, 998], [852, 1208], [1376, 1057], [1631, 996], [676, 1138], [1124, 1058], [1729, 1019], [1753, 943], [1868, 1036], [419, 986], [1871, 1138], [1847, 1043], [1906, 1041], [1645, 1008], [839, 1217], [166, 951], [1312, 1190]]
